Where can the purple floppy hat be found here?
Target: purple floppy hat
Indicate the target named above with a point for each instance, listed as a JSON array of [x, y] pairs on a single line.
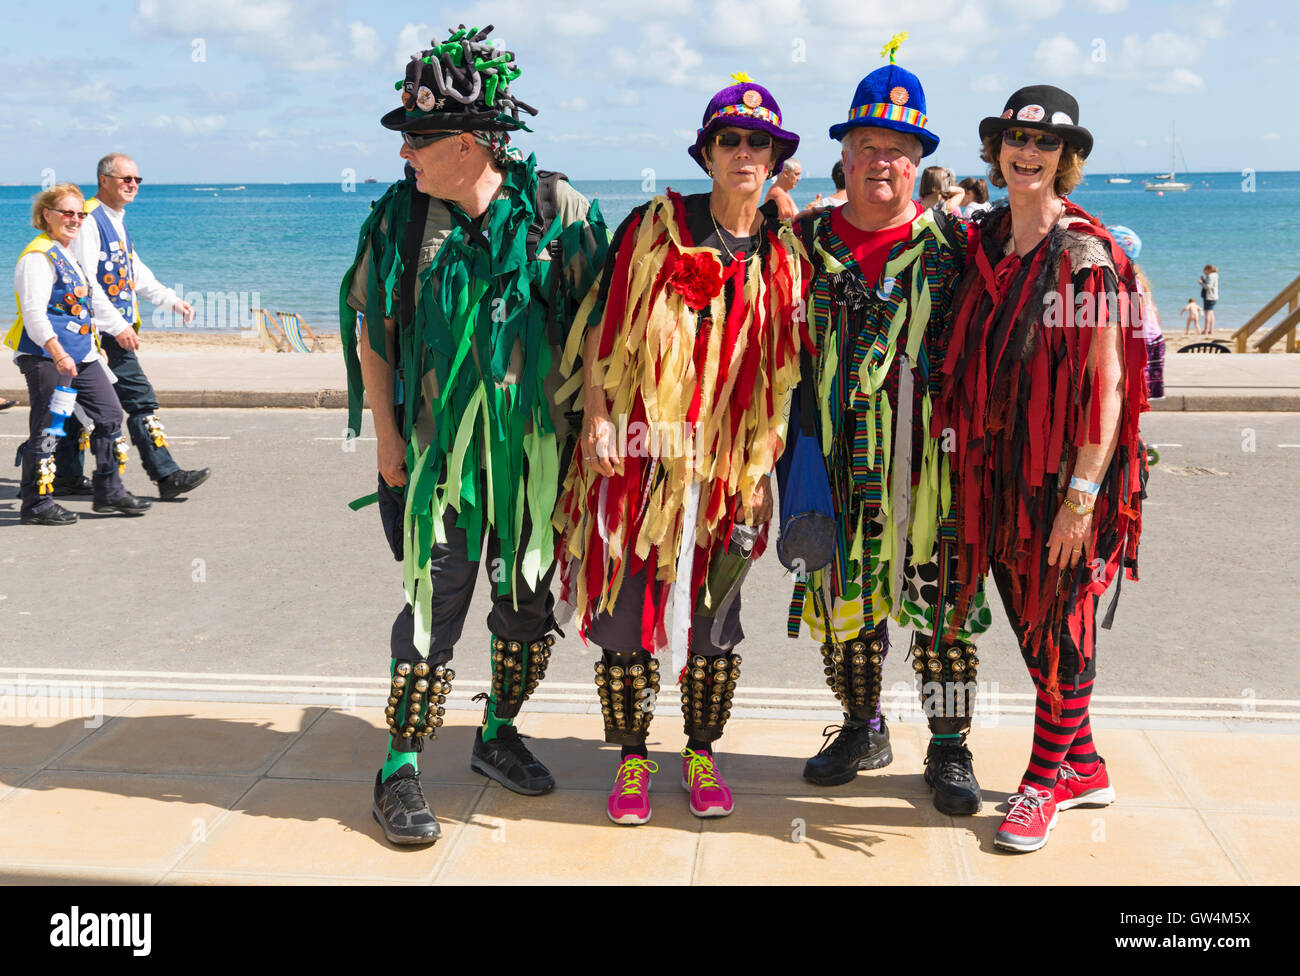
[[746, 105]]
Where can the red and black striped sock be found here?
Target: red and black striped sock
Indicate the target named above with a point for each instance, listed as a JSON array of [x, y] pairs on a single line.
[[1053, 738], [1083, 754]]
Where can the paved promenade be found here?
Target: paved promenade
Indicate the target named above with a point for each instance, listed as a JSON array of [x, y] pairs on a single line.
[[216, 793]]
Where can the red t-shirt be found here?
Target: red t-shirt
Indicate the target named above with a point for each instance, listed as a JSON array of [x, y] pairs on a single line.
[[870, 248]]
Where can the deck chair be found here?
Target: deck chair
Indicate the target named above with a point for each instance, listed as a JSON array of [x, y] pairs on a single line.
[[265, 323], [1209, 345], [294, 328]]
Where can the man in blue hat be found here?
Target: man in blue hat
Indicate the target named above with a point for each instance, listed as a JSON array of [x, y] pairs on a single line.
[[884, 273]]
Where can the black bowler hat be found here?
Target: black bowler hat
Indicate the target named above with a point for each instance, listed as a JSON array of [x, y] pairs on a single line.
[[1042, 107]]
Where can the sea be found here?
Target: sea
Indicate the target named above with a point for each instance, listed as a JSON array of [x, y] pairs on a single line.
[[229, 248]]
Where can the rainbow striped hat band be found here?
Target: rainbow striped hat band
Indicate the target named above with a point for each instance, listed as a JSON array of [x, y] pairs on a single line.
[[891, 97]]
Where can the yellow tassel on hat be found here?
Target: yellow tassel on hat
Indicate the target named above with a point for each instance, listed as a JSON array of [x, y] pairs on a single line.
[[741, 78], [895, 42]]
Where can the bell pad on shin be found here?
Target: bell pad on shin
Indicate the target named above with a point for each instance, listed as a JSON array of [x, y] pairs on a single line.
[[518, 667], [627, 684], [416, 695], [855, 672], [708, 686], [946, 675]]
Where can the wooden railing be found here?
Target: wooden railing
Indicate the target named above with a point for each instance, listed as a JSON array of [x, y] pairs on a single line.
[[1288, 296]]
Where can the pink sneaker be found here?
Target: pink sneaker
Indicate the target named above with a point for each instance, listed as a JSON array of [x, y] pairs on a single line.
[[1030, 820], [710, 795], [1076, 790], [629, 800]]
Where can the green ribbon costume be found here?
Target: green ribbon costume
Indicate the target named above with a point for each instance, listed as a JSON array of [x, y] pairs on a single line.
[[474, 364]]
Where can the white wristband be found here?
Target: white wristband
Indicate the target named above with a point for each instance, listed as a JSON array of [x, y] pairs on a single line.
[[1087, 487]]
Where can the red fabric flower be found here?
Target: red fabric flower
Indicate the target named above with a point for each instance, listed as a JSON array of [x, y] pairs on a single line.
[[697, 278]]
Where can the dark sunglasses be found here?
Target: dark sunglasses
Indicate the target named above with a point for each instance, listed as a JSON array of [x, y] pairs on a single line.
[[69, 214], [137, 180], [1046, 141], [418, 140], [730, 140]]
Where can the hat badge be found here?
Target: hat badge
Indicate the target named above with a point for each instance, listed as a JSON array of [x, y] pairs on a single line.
[[752, 98], [898, 95], [1061, 118], [424, 99], [1030, 113]]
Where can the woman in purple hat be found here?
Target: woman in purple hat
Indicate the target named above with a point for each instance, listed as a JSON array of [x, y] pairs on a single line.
[[1043, 387], [690, 352]]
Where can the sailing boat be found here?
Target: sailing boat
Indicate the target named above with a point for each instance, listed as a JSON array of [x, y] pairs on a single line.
[[1168, 181]]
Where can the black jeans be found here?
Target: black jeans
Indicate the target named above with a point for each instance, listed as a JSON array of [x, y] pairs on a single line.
[[96, 397]]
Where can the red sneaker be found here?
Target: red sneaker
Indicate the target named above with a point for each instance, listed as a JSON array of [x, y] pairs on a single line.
[[710, 795], [1075, 790], [1030, 820], [629, 800]]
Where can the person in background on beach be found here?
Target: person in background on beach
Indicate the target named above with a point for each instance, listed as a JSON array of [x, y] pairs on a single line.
[[939, 188], [782, 187], [464, 306], [836, 199], [1193, 313], [672, 520], [976, 199], [873, 260], [55, 345], [120, 279], [1209, 280], [1049, 464], [1152, 334]]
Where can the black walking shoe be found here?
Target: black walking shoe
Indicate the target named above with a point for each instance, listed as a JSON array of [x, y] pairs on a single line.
[[125, 503], [401, 809], [507, 760], [856, 747], [49, 515], [951, 776], [82, 486], [179, 482]]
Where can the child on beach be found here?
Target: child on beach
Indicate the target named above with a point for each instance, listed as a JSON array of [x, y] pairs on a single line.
[[1193, 313]]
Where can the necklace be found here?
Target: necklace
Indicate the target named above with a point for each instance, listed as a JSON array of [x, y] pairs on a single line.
[[731, 256]]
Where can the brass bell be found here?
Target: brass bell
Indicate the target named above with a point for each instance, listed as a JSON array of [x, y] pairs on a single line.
[[720, 663], [935, 667], [390, 711], [699, 662], [399, 682], [514, 647], [917, 652], [876, 645], [498, 645], [509, 663], [736, 659], [421, 669], [403, 669], [415, 698], [875, 660], [958, 667], [616, 685], [639, 683], [600, 681], [636, 670], [550, 640], [498, 657], [838, 656], [616, 672], [918, 666], [422, 685], [859, 660], [930, 652], [954, 653], [448, 675], [654, 664]]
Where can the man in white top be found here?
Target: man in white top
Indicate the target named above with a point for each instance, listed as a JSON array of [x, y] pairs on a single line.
[[118, 279]]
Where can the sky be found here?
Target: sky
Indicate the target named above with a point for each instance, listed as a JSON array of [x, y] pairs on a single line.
[[238, 91]]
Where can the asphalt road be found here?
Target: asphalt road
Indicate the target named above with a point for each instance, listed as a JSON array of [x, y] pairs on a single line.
[[265, 570]]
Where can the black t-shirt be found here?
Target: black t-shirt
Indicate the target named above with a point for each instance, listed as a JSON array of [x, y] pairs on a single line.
[[706, 232]]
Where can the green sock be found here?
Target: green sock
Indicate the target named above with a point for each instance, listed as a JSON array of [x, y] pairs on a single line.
[[492, 725], [934, 736], [396, 758]]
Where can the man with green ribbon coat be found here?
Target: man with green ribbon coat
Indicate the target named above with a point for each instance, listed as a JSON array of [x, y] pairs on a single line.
[[466, 278]]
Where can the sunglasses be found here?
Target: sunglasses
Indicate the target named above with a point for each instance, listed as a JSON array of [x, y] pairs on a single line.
[[755, 140], [418, 140], [1046, 141], [69, 214], [137, 180]]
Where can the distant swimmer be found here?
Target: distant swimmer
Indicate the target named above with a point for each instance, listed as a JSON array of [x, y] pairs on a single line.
[[781, 188]]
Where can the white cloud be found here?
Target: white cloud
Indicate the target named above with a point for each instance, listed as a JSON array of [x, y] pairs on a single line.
[[576, 104], [1108, 6], [96, 92], [197, 125], [270, 29], [1271, 136], [990, 83], [627, 97], [664, 57], [1180, 81], [364, 40], [412, 39], [1059, 57], [1033, 9]]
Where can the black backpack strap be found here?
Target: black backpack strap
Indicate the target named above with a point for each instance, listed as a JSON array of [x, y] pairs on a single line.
[[419, 214], [546, 210], [943, 223]]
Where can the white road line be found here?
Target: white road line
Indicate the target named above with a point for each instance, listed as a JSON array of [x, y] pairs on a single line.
[[343, 438], [1289, 445], [1164, 445], [201, 437]]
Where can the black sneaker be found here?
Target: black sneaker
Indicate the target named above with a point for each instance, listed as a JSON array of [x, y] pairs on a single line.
[[124, 504], [179, 482], [81, 486], [856, 747], [401, 809], [52, 514], [951, 776], [507, 760]]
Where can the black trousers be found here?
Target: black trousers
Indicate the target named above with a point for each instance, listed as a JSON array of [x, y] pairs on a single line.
[[1075, 667], [136, 394], [94, 395], [454, 571]]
